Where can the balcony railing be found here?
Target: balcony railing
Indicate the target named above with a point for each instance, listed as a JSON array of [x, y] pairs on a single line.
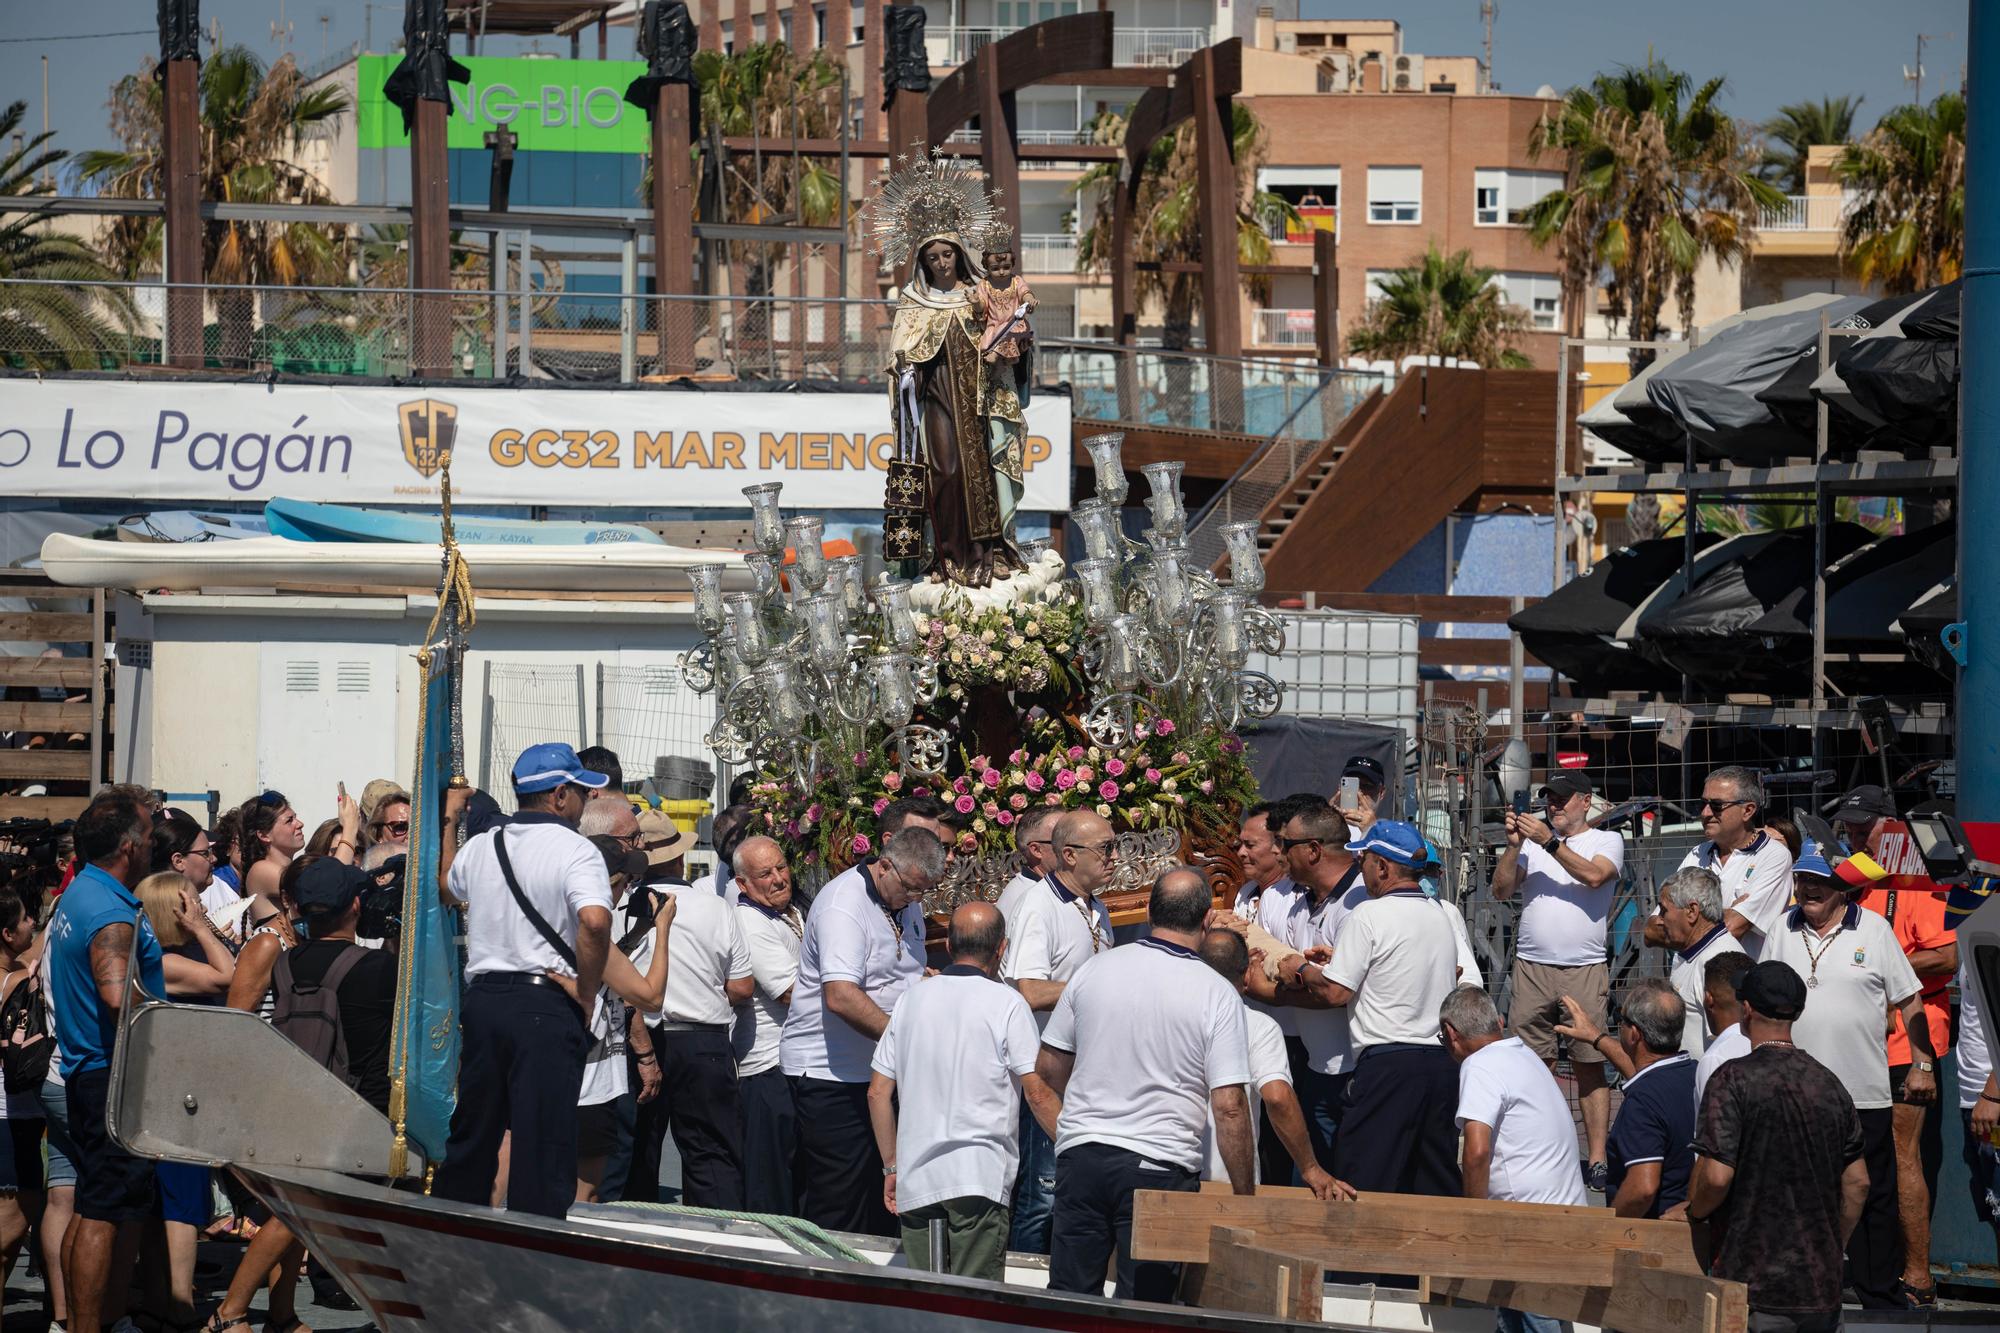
[[1805, 212], [1047, 252], [1154, 47], [1282, 328]]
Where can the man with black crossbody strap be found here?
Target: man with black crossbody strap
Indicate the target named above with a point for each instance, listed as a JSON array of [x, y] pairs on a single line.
[[538, 928]]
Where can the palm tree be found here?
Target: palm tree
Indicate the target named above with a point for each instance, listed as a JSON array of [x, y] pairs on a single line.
[[253, 121], [1798, 127], [51, 327], [1167, 218], [1658, 176], [1906, 226], [1442, 306]]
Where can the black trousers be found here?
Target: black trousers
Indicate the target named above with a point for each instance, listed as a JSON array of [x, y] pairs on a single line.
[[1399, 1132], [1875, 1251], [1093, 1219], [770, 1136], [700, 1103], [521, 1070], [838, 1170]]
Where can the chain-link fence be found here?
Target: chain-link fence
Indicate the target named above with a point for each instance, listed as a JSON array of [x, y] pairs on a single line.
[[525, 704], [649, 715]]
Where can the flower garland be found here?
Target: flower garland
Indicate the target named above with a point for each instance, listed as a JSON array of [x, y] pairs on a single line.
[[1027, 646]]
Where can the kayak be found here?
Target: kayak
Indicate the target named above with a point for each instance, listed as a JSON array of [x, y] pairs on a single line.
[[305, 521]]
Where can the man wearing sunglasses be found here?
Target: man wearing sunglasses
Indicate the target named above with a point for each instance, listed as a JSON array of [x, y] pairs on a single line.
[[1754, 865], [1565, 872]]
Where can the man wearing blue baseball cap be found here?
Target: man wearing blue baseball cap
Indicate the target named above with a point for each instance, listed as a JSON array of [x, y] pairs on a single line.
[[537, 930], [1393, 964]]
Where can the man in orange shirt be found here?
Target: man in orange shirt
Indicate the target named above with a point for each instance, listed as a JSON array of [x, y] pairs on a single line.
[[1915, 909]]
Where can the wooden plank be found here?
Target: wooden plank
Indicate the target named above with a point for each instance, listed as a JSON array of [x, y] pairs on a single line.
[[45, 764], [45, 626], [1415, 1235], [64, 673], [55, 809], [65, 717], [1644, 1297], [1263, 1191], [1244, 1276], [1426, 606]]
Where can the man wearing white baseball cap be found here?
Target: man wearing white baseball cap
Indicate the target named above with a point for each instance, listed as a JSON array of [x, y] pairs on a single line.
[[537, 930]]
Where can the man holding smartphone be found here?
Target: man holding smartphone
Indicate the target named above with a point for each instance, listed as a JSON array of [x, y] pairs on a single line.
[[1565, 873]]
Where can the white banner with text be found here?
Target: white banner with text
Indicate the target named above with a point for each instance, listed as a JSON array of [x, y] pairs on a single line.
[[79, 439]]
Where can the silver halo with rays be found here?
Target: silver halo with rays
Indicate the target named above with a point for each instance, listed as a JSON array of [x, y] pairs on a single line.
[[931, 196]]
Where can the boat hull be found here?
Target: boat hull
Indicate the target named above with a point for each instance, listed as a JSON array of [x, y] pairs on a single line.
[[304, 520]]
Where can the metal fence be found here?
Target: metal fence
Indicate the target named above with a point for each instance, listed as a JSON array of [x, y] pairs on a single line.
[[1150, 386], [648, 715]]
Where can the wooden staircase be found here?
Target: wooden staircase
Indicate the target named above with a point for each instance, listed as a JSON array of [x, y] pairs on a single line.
[[1293, 497]]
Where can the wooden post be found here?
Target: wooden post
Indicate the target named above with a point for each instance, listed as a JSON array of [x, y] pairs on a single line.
[[1243, 1275], [711, 25], [739, 26], [673, 227], [183, 190], [430, 242], [804, 39], [1326, 297], [1215, 168], [998, 152], [873, 125]]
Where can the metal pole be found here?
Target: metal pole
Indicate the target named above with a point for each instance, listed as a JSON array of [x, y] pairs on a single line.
[[628, 297], [1517, 671], [1555, 481], [527, 296], [498, 278], [1821, 499], [937, 1245], [1979, 434]]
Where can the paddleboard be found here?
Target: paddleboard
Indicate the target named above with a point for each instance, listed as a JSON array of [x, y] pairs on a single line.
[[305, 521]]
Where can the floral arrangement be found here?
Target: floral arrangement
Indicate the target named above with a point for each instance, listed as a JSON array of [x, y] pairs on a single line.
[[1026, 646]]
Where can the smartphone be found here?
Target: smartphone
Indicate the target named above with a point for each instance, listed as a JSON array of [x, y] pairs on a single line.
[[1350, 793], [1520, 802], [341, 787]]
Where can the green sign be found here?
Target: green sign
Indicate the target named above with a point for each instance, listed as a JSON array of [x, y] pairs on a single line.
[[569, 106]]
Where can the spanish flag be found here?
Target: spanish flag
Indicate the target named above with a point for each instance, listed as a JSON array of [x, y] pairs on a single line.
[[1859, 871]]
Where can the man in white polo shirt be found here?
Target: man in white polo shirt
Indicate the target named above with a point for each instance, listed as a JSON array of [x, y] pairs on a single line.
[[1754, 865], [1565, 873], [1520, 1142], [1395, 962], [1691, 913], [1145, 1043], [1855, 973], [952, 1070], [1723, 1007], [863, 947], [1056, 928], [772, 927], [1032, 840]]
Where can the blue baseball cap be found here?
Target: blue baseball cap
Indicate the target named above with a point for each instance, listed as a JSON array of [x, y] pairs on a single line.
[[1393, 840], [1812, 861], [550, 765]]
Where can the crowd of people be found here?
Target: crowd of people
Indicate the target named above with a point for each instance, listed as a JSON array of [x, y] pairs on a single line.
[[1329, 1026]]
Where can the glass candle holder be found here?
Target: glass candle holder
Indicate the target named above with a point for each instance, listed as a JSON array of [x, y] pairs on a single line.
[[826, 636], [1106, 461], [895, 691], [805, 533], [1032, 550], [785, 703], [1168, 583], [1232, 645], [764, 570], [1122, 636], [1098, 580], [707, 583], [1165, 501], [899, 626], [747, 634], [1246, 562], [1098, 522], [767, 524], [844, 577]]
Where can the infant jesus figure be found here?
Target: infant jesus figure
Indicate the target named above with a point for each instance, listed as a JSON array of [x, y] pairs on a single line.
[[1003, 301]]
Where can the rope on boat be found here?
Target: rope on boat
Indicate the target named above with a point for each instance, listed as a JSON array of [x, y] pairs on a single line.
[[802, 1235]]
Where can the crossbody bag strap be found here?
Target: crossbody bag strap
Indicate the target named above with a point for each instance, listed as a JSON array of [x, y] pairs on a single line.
[[535, 919]]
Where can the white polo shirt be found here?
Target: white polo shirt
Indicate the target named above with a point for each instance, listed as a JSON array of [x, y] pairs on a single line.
[[957, 1046], [1468, 962], [1688, 972], [849, 937], [559, 871], [1245, 908], [1975, 1057], [705, 951], [1730, 1044], [1270, 908], [1325, 1032], [1862, 972], [1053, 934], [1154, 1031], [1562, 918], [1762, 870], [1399, 954], [1009, 901], [1268, 1064], [1505, 1086], [773, 941]]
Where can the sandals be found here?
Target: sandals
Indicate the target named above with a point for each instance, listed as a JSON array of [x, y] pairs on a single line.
[[1917, 1298], [217, 1324]]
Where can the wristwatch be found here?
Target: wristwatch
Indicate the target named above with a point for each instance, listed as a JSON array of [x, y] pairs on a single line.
[[889, 1170], [1552, 846], [1922, 1066]]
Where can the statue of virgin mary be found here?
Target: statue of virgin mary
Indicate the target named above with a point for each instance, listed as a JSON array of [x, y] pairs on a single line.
[[930, 220]]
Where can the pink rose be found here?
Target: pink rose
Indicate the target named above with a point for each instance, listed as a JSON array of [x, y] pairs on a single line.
[[1018, 800], [960, 785], [964, 805], [1152, 775], [980, 761], [1017, 756], [860, 845], [1181, 758], [1036, 782], [1004, 818], [991, 809], [921, 791], [1115, 767], [1142, 731], [860, 759], [1108, 790], [881, 804], [1207, 787], [813, 811], [968, 841], [1165, 726], [991, 777], [892, 781], [1052, 799], [1065, 779], [1075, 753], [1086, 774]]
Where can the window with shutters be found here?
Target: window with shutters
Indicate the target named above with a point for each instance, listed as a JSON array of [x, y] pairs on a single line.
[[1396, 195]]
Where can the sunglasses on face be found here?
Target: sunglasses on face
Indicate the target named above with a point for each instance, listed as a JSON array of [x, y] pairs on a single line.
[[399, 827], [1288, 843], [1717, 807], [205, 853]]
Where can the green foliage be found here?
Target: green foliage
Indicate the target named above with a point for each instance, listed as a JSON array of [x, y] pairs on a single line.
[[1442, 306], [1906, 226], [1797, 127]]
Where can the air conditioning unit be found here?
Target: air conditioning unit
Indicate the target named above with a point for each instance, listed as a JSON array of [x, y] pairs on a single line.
[[1409, 74], [1402, 83], [1403, 64], [1288, 43]]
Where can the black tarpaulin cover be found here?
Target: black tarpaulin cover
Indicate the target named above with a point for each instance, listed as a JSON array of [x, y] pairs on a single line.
[[1706, 631], [667, 40], [1907, 386], [906, 64], [426, 71], [1867, 593], [180, 32], [1575, 629], [1923, 624], [1792, 398], [1301, 754]]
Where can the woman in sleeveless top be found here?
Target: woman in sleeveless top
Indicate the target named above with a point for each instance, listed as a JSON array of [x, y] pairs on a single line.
[[21, 1155], [267, 933]]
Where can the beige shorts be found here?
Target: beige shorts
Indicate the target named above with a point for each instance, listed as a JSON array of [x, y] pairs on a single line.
[[1537, 1005]]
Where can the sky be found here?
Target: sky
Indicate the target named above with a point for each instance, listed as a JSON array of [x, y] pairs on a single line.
[[1771, 51]]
